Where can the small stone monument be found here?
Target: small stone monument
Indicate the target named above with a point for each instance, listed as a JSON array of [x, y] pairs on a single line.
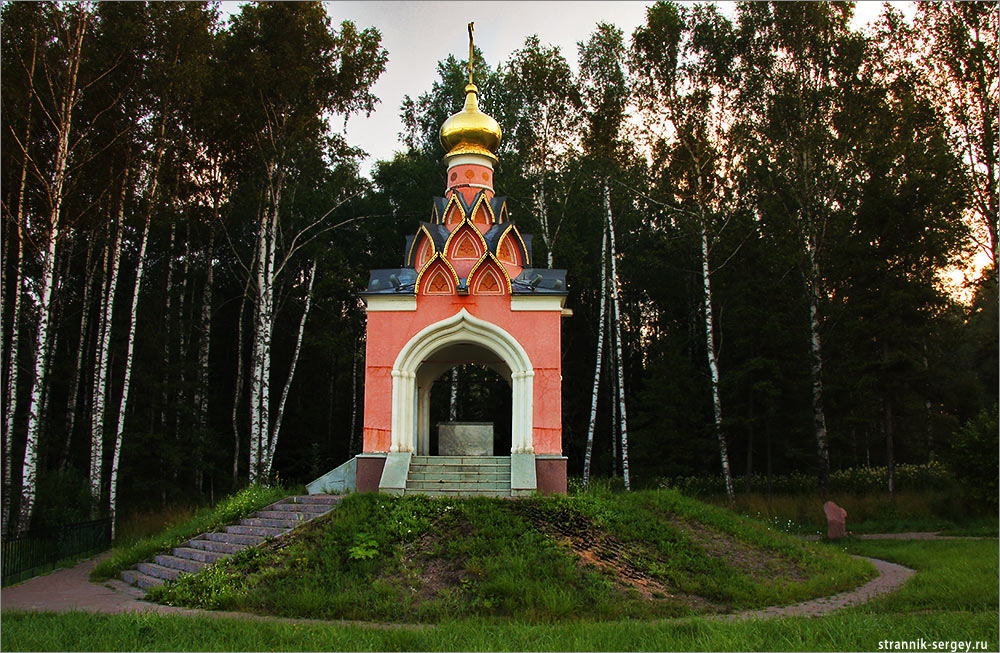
[[465, 439], [836, 520]]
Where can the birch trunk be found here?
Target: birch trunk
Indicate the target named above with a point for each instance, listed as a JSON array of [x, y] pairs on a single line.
[[237, 393], [204, 349], [260, 378], [354, 448], [74, 393], [15, 326], [275, 431], [453, 396], [713, 366], [618, 337], [168, 328], [612, 394], [101, 371], [130, 348], [258, 390], [15, 337], [597, 365], [63, 126], [816, 369]]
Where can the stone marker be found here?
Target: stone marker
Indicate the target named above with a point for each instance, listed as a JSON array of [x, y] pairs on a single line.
[[465, 439], [836, 520]]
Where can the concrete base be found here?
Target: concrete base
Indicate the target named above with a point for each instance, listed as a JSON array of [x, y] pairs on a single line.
[[523, 474], [341, 480], [551, 474], [397, 467], [465, 439]]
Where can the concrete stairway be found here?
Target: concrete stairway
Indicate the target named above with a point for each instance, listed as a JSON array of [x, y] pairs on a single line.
[[190, 557], [459, 476]]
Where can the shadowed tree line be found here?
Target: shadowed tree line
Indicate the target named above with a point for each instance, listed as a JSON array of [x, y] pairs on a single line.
[[185, 236]]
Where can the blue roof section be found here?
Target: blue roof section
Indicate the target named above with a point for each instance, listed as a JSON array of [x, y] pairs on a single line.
[[391, 281], [540, 281]]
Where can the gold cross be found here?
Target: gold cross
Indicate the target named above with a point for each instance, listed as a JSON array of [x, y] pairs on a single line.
[[471, 28]]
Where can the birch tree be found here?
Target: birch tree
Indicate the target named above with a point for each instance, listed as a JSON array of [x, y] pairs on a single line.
[[680, 57], [789, 64], [548, 105], [59, 105], [286, 107]]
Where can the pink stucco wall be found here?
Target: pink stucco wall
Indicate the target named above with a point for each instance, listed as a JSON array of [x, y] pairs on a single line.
[[536, 331]]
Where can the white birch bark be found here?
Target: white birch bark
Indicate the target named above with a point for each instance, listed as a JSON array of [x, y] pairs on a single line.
[[63, 127], [238, 392], [204, 350], [15, 337], [597, 364], [713, 365], [276, 429], [618, 337], [168, 321], [816, 367], [71, 403], [130, 349], [101, 371], [453, 396], [258, 411], [15, 327], [354, 448]]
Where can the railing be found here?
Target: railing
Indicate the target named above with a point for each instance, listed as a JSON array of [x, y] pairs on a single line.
[[36, 551]]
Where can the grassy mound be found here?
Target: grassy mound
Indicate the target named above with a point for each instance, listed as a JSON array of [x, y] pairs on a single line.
[[612, 556]]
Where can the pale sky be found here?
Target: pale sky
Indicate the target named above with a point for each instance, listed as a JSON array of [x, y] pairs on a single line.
[[418, 34]]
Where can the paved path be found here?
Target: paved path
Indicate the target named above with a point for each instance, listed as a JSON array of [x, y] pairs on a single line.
[[890, 578], [70, 589]]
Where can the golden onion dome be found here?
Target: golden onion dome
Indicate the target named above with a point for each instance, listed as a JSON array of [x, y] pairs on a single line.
[[470, 131]]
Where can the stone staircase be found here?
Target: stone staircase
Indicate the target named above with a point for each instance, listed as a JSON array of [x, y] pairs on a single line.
[[190, 557], [459, 476]]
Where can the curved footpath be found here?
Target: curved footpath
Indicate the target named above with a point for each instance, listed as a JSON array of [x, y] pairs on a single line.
[[67, 590]]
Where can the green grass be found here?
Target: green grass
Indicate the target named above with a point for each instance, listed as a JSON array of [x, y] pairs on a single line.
[[912, 510], [952, 598], [954, 574], [416, 559], [227, 511], [153, 632]]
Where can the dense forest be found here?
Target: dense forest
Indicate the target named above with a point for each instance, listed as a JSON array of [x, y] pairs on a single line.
[[185, 237]]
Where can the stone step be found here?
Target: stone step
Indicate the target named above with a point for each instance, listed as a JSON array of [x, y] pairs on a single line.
[[329, 500], [186, 565], [204, 544], [158, 571], [452, 459], [195, 554], [454, 485], [234, 538], [200, 555], [304, 508], [438, 470], [460, 493], [259, 531], [422, 475], [139, 579], [271, 523]]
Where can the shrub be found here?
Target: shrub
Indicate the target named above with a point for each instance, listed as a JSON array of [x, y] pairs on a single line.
[[972, 458]]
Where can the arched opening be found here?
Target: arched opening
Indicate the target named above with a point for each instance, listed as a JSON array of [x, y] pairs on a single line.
[[471, 398], [461, 339]]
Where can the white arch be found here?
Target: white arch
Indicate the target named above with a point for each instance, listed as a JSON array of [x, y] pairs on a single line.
[[460, 328]]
